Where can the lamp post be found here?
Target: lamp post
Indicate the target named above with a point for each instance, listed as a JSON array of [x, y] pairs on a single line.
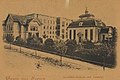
[[63, 51]]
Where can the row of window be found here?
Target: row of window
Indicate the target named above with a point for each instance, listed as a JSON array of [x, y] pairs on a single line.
[[63, 36], [51, 27], [51, 32], [33, 28], [64, 24], [48, 21]]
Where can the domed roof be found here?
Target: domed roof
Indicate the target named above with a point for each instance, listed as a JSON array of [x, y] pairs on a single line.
[[87, 20], [86, 14]]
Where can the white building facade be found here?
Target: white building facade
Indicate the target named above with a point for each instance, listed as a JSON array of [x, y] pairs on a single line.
[[88, 28]]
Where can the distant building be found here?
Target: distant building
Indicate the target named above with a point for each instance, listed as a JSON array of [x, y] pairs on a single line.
[[62, 25], [88, 28], [48, 27]]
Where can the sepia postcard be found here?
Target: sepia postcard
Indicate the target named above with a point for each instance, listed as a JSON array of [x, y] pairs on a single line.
[[59, 40]]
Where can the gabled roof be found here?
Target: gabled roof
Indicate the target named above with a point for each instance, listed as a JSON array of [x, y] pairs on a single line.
[[22, 20]]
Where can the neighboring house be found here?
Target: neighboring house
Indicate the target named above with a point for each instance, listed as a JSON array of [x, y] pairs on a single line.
[[88, 28], [23, 26], [106, 34]]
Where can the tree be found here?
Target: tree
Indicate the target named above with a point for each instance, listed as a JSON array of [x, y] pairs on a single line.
[[61, 48], [71, 45], [106, 50], [88, 44], [10, 39], [19, 41], [49, 44]]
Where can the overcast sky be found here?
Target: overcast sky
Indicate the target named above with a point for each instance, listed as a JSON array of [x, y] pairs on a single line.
[[106, 10]]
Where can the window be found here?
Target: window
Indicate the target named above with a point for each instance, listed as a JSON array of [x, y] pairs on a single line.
[[70, 34], [98, 34], [91, 34], [74, 34], [44, 32], [63, 23], [62, 36], [66, 24], [47, 27], [50, 32], [44, 27], [50, 27], [33, 28], [62, 30], [81, 23], [86, 34], [66, 36]]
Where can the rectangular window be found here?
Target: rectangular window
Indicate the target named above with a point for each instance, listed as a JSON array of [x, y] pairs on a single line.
[[74, 34], [70, 35], [91, 34], [62, 36], [63, 23], [86, 34], [62, 30], [44, 27]]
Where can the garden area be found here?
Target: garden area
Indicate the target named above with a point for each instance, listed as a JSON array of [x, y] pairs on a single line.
[[103, 54]]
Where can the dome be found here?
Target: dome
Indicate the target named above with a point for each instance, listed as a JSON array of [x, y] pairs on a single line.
[[87, 20], [86, 14]]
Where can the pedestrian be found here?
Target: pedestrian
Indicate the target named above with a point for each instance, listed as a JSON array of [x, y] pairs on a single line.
[[38, 65]]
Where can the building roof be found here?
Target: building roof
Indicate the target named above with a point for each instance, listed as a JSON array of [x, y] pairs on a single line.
[[23, 20], [104, 30], [86, 23], [87, 20], [86, 14]]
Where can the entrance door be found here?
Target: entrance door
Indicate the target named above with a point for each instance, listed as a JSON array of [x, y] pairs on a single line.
[[103, 37]]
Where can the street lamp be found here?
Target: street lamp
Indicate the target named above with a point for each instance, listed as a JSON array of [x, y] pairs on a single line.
[[63, 51]]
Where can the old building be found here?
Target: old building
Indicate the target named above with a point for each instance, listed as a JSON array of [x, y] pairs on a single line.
[[61, 28], [88, 28], [48, 27], [36, 25], [23, 26]]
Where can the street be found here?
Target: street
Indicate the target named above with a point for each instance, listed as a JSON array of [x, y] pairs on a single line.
[[25, 65]]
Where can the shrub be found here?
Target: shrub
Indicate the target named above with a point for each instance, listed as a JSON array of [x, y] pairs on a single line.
[[9, 38], [49, 44], [88, 44], [71, 46]]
